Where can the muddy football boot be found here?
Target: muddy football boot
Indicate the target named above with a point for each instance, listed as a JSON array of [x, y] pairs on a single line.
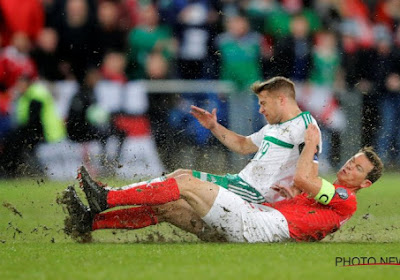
[[96, 192], [78, 224]]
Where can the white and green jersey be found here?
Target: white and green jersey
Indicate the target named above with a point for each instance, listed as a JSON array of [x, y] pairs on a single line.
[[279, 149]]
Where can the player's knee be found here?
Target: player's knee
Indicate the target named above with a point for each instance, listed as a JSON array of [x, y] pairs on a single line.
[[186, 182]]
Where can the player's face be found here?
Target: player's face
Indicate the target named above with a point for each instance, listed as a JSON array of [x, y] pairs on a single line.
[[270, 107], [355, 170]]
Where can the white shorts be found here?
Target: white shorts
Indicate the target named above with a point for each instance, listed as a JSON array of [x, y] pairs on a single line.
[[241, 221]]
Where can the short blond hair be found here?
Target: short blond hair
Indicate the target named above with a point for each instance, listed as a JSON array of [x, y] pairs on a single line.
[[274, 85]]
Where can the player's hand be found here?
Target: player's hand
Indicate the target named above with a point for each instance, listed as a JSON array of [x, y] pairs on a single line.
[[205, 118], [312, 135], [286, 192]]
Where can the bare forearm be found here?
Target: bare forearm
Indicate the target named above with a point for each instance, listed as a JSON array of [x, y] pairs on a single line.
[[305, 165], [232, 140], [235, 142], [306, 177]]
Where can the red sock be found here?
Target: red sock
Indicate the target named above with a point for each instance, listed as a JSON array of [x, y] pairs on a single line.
[[154, 193], [130, 218]]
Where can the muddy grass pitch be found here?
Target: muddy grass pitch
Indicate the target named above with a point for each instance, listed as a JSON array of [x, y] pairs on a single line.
[[34, 246]]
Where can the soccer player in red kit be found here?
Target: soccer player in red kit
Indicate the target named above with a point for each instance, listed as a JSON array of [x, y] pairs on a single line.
[[322, 207], [213, 213]]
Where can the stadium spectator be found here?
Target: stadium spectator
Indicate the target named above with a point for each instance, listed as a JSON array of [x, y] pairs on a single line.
[[160, 108], [277, 24], [108, 34], [319, 98], [292, 53], [15, 60], [89, 124], [194, 28], [387, 86], [382, 64], [212, 213], [37, 121], [358, 77], [149, 36], [389, 134], [360, 13], [239, 51], [354, 58], [56, 9], [258, 11], [45, 56], [193, 32], [75, 26], [129, 120], [86, 120], [113, 66]]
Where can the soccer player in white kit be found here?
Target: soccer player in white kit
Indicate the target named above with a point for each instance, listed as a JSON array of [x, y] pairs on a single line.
[[277, 145]]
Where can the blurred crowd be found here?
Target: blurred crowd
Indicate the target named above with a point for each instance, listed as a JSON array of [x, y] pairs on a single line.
[[329, 48]]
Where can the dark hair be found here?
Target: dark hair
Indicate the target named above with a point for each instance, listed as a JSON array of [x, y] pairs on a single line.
[[275, 84], [372, 156]]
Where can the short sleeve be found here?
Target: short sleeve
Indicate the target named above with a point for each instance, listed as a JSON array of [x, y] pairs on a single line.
[[258, 136]]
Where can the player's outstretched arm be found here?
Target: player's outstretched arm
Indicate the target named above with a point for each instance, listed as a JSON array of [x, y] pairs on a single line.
[[306, 176], [205, 118], [235, 142]]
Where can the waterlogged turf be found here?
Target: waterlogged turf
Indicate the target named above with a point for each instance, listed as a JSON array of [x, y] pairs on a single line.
[[33, 245]]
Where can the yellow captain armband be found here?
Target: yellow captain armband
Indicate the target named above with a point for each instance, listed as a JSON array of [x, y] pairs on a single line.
[[326, 193]]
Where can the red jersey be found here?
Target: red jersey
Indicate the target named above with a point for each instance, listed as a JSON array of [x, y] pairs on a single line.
[[310, 220]]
